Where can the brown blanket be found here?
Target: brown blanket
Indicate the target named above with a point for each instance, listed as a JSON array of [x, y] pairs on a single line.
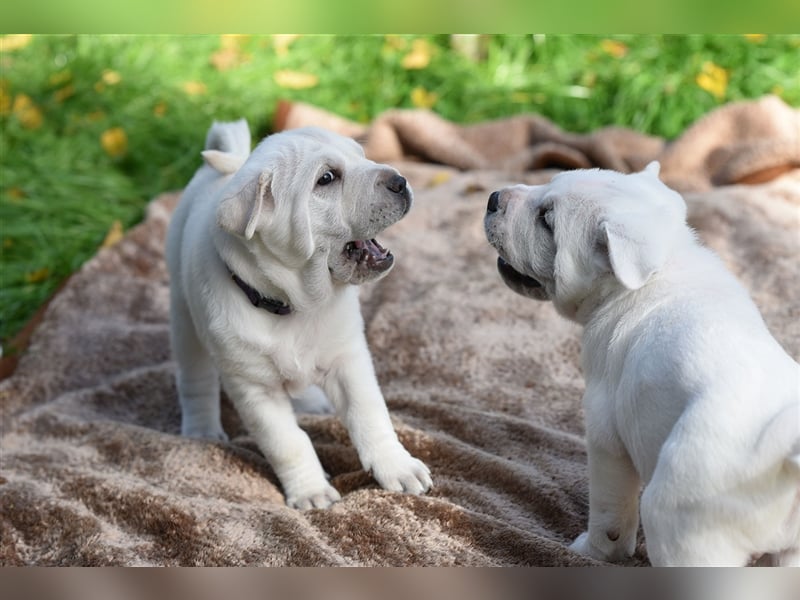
[[483, 385]]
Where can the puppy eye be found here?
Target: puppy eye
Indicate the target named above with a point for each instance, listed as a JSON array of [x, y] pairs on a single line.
[[328, 177]]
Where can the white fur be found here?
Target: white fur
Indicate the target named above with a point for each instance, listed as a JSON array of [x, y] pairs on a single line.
[[263, 215], [687, 392]]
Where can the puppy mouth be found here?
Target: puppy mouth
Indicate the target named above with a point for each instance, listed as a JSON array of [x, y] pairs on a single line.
[[368, 255], [514, 278]]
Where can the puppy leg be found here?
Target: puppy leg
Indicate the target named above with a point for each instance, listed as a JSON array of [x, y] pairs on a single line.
[[613, 507], [197, 379], [268, 416], [353, 388]]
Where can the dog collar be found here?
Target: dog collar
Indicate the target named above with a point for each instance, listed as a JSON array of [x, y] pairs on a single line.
[[276, 307]]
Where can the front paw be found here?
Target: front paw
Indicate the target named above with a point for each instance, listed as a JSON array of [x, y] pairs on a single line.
[[320, 497], [398, 471], [583, 545]]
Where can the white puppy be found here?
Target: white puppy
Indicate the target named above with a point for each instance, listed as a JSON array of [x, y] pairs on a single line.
[[264, 252], [687, 393]]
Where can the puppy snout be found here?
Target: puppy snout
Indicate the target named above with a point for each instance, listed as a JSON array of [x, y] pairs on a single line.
[[494, 202], [397, 184]]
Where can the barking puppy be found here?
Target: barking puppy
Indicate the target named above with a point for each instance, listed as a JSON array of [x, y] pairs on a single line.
[[265, 251], [687, 393]]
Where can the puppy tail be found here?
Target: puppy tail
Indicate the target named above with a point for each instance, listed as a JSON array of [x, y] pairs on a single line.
[[227, 145]]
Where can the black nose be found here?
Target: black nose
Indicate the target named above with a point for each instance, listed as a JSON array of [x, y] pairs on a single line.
[[397, 184], [494, 201]]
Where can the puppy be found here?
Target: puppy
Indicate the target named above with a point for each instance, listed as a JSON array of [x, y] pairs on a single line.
[[687, 393], [265, 252]]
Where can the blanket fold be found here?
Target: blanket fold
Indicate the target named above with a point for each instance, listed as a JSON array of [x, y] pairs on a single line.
[[742, 142], [483, 385]]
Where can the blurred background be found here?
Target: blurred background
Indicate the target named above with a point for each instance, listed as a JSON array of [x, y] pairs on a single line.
[[94, 126]]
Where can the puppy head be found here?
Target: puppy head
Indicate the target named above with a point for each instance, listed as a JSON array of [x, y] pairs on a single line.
[[585, 230], [309, 192]]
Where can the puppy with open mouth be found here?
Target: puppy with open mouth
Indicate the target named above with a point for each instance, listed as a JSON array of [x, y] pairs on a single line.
[[687, 395], [265, 252]]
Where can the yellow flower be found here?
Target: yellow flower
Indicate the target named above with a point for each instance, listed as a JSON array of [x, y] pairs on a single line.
[[614, 48], [422, 98], [38, 275], [110, 77], [225, 59], [755, 38], [295, 80], [194, 88], [64, 93], [713, 79], [160, 109], [29, 115], [9, 43], [114, 234], [114, 142], [420, 55]]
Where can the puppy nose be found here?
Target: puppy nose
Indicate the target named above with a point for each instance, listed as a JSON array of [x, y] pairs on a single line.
[[396, 184], [494, 202]]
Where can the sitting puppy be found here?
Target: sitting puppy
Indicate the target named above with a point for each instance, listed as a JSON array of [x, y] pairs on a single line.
[[265, 251], [686, 393]]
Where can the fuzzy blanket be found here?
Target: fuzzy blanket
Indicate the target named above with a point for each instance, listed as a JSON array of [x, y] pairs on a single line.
[[482, 384]]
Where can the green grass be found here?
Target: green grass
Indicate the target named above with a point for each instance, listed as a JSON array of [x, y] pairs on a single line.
[[60, 191]]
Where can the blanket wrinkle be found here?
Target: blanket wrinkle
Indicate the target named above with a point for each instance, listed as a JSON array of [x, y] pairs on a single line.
[[483, 385], [742, 142]]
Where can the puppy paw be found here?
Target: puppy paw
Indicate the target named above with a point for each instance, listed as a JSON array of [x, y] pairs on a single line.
[[322, 497], [583, 545], [401, 472]]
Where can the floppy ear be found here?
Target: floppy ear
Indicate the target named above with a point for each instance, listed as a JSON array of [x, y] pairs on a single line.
[[302, 239], [239, 214], [223, 162], [640, 229], [633, 254]]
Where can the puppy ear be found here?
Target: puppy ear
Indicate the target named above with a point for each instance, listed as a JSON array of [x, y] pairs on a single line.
[[223, 162], [633, 258], [240, 213], [641, 227], [654, 168]]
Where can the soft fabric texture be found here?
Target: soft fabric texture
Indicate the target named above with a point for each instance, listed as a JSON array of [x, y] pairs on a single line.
[[483, 385]]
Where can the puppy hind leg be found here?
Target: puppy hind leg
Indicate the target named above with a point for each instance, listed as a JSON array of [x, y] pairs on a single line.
[[613, 507], [268, 416], [679, 536], [197, 379]]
